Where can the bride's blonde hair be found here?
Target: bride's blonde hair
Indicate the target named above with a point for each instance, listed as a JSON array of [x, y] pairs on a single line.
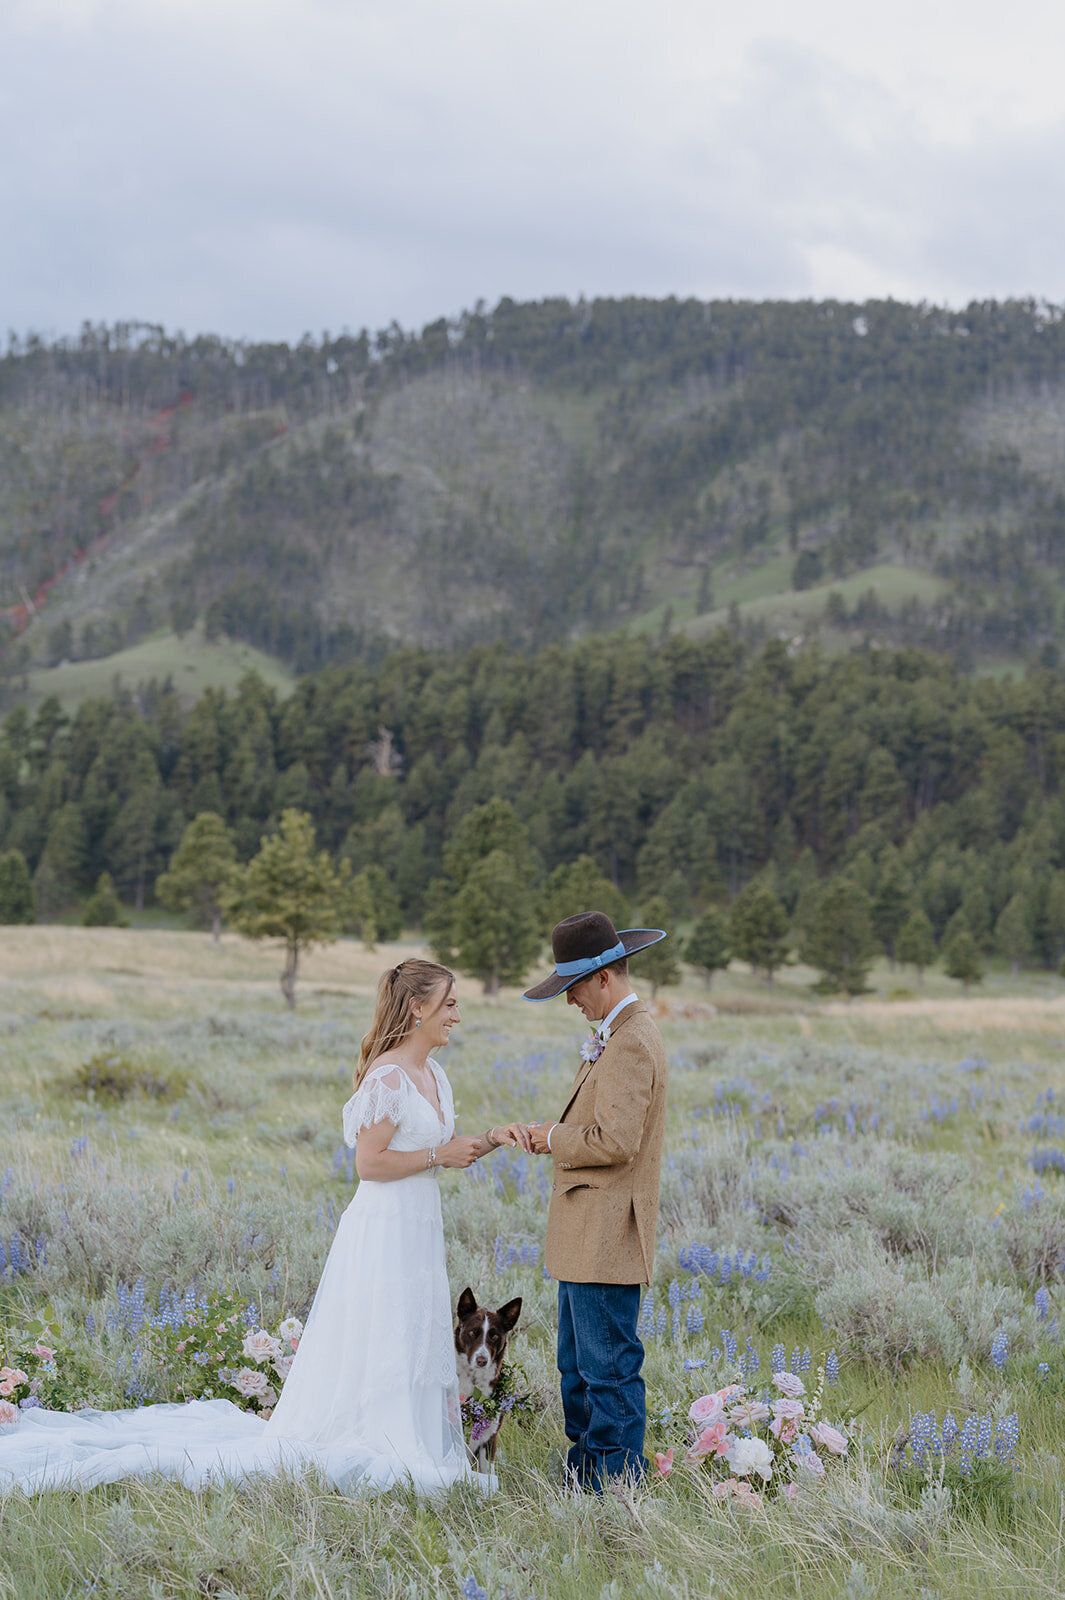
[[397, 990]]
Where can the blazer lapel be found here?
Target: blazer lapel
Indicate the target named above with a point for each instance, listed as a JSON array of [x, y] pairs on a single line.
[[586, 1066]]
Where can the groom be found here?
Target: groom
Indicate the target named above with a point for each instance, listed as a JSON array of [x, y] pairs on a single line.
[[607, 1148]]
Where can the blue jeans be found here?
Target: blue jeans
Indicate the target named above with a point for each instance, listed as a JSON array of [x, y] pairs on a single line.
[[599, 1359]]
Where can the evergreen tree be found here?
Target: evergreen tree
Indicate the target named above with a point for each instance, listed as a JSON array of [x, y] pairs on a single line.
[[62, 862], [839, 941], [103, 909], [659, 963], [490, 829], [708, 949], [361, 910], [1013, 941], [18, 903], [891, 902], [580, 886], [289, 892], [388, 918], [916, 944], [494, 925], [962, 960], [759, 927], [201, 870]]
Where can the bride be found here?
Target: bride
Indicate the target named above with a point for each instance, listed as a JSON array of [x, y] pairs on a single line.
[[371, 1398]]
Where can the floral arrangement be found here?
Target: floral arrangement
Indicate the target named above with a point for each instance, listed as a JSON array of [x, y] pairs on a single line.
[[759, 1444], [480, 1411], [215, 1350], [34, 1378]]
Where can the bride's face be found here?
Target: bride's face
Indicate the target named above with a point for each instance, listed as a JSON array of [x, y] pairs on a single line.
[[439, 1015]]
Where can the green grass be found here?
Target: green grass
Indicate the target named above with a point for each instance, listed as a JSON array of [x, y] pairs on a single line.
[[191, 662], [787, 609], [759, 1155]]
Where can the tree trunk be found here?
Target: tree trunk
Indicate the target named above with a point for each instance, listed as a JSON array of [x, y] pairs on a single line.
[[491, 983], [288, 975], [216, 925]]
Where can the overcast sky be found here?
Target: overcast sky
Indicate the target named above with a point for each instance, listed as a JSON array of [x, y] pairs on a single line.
[[263, 168]]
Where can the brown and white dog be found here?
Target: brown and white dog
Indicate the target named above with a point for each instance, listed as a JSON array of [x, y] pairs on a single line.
[[480, 1348]]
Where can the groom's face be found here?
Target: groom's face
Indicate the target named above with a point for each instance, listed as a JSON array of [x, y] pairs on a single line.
[[587, 996]]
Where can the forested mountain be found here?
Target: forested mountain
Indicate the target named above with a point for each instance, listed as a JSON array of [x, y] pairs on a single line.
[[877, 471], [684, 768]]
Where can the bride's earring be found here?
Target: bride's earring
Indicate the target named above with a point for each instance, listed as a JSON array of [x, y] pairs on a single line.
[[417, 1022]]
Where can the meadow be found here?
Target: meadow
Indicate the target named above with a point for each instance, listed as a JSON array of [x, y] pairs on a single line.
[[874, 1187]]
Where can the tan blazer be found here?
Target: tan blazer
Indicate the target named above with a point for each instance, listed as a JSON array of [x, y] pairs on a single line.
[[607, 1149]]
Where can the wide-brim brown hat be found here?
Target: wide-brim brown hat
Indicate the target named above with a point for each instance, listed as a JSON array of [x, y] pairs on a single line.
[[584, 943]]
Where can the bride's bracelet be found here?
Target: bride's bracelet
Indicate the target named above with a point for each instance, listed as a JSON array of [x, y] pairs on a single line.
[[431, 1163], [493, 1144]]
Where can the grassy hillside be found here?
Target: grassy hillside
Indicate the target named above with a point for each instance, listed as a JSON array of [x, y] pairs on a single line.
[[538, 472], [191, 663]]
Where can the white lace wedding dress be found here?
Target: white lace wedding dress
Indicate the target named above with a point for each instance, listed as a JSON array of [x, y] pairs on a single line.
[[371, 1399]]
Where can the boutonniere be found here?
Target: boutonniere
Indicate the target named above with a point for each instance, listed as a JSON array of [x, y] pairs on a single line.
[[593, 1046]]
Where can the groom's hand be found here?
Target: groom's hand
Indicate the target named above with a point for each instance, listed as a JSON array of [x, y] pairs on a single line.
[[539, 1133]]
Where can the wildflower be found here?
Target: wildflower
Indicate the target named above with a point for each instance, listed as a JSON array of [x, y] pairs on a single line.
[[809, 1461], [832, 1367], [713, 1441], [1000, 1349], [471, 1590], [291, 1329], [1044, 1369], [789, 1384], [1042, 1303], [663, 1463], [750, 1455]]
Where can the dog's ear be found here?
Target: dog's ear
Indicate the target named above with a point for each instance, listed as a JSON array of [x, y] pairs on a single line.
[[509, 1314], [467, 1304]]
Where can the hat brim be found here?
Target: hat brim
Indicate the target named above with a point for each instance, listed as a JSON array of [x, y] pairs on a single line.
[[632, 938]]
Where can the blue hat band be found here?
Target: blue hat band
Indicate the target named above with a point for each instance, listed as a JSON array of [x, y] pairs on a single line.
[[574, 969]]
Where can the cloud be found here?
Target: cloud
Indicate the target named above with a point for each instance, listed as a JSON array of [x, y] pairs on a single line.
[[263, 169]]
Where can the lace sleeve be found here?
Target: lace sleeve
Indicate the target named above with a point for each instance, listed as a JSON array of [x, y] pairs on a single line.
[[379, 1098]]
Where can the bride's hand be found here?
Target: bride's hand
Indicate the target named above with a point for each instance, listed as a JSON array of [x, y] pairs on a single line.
[[515, 1133], [458, 1152]]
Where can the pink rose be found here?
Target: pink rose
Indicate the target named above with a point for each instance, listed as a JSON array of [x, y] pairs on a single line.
[[789, 1384], [42, 1351], [786, 1429], [707, 1409], [749, 1414], [811, 1462], [824, 1433], [663, 1463], [794, 1410], [8, 1386], [744, 1495], [723, 1490], [791, 1491], [249, 1383], [8, 1412], [283, 1366], [260, 1346]]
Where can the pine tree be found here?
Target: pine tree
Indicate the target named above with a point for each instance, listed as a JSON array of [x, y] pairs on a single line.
[[916, 944], [839, 942], [494, 924], [658, 963], [18, 903], [201, 870], [1013, 941], [103, 909], [289, 892], [759, 926], [708, 949], [891, 903], [580, 886], [962, 959], [484, 831], [361, 912]]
